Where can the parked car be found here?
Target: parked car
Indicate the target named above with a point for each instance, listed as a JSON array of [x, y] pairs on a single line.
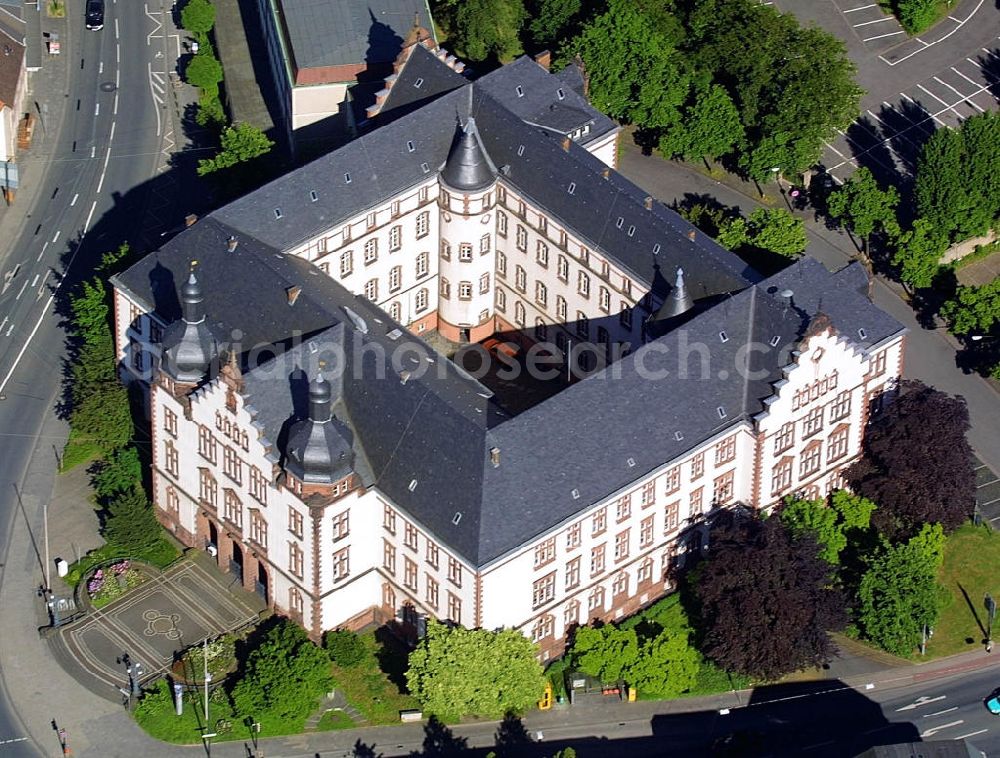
[[95, 14], [993, 703]]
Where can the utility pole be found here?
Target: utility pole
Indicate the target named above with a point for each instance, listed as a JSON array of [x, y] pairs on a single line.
[[45, 529], [991, 612]]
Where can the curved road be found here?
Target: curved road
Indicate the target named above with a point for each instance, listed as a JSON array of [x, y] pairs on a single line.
[[90, 198]]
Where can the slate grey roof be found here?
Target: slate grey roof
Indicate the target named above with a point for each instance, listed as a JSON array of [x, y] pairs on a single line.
[[421, 80], [578, 440], [468, 166], [342, 32]]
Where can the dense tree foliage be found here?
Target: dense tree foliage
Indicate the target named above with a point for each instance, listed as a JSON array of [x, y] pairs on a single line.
[[772, 229], [710, 127], [762, 583], [481, 28], [917, 16], [864, 207], [553, 19], [664, 664], [204, 71], [456, 671], [917, 464], [240, 144], [957, 186], [129, 522], [344, 647], [974, 310], [198, 16], [900, 593], [829, 523], [284, 677], [917, 253], [636, 73]]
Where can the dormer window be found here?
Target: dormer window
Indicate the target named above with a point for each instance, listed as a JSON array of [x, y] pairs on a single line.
[[561, 94], [519, 90], [572, 188], [409, 146], [417, 84], [347, 178], [277, 213], [313, 196]]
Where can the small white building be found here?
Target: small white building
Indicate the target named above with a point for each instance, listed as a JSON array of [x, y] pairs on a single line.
[[308, 437]]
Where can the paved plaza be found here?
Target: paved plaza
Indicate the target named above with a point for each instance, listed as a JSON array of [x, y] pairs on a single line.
[[164, 615]]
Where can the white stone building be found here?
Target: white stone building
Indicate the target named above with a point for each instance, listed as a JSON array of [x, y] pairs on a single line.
[[399, 486]]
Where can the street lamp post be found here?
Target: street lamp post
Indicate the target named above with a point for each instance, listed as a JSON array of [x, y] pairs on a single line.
[[991, 612]]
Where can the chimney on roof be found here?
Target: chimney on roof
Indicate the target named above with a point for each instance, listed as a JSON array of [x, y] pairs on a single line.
[[606, 172], [495, 457], [232, 243], [544, 59], [787, 295], [692, 234], [565, 143], [647, 203], [190, 219], [293, 293]]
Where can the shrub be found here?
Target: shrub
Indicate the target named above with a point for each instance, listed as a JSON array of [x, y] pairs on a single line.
[[917, 15], [204, 71], [198, 16], [344, 647]]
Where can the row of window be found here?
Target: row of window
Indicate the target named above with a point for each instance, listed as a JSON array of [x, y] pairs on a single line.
[[465, 289], [811, 459], [812, 424], [411, 541], [465, 248], [454, 611]]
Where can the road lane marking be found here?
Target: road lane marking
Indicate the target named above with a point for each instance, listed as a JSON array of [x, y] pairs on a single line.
[[936, 729], [943, 102], [86, 225], [24, 347], [23, 288], [116, 29], [882, 36], [935, 42], [93, 151], [56, 238], [861, 8], [73, 201], [118, 53], [111, 137], [118, 75], [876, 21], [941, 81], [920, 701], [115, 109], [100, 67], [939, 713], [972, 734], [35, 280], [5, 320], [159, 126], [973, 82], [9, 330], [41, 290], [97, 109], [104, 170]]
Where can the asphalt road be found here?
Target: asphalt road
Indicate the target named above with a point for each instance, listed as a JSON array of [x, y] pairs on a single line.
[[91, 197]]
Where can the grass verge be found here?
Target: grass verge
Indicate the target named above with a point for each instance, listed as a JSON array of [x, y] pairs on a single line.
[[334, 720], [971, 556], [78, 450]]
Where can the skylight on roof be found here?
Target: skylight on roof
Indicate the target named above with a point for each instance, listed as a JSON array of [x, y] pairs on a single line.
[[656, 248], [413, 485], [418, 82], [678, 436], [456, 518], [723, 337], [519, 90], [862, 334], [575, 494], [620, 222], [631, 231], [313, 195], [560, 93], [630, 462], [347, 178], [572, 188], [277, 213], [775, 340], [425, 168], [721, 411], [520, 150], [409, 146]]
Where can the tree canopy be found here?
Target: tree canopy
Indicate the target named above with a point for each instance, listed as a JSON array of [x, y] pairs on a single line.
[[772, 229], [761, 582], [864, 207], [917, 253], [974, 310], [204, 71], [129, 522], [710, 127], [481, 28], [899, 592], [827, 523], [240, 144], [916, 463], [455, 672], [198, 16], [284, 677]]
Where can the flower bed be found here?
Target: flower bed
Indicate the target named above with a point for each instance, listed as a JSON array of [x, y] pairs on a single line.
[[108, 584]]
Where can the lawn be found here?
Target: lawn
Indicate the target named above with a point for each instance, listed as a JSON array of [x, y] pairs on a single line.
[[971, 556], [376, 686], [334, 720], [77, 451]]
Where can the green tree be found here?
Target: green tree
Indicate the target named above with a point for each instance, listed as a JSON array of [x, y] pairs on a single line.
[[940, 189], [917, 16], [974, 309], [899, 593], [489, 27], [792, 86], [345, 648], [240, 144], [284, 677], [636, 74], [456, 671], [830, 524], [711, 127], [198, 16], [204, 71], [552, 20], [981, 138], [917, 253], [667, 665], [120, 471], [772, 229], [129, 522], [864, 207], [607, 652]]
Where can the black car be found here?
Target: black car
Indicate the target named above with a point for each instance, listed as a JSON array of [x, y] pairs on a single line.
[[95, 14]]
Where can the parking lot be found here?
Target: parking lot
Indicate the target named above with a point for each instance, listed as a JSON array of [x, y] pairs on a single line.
[[988, 494], [877, 29], [888, 140]]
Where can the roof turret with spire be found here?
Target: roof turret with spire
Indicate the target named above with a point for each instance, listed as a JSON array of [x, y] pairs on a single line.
[[678, 302], [189, 347], [468, 167], [319, 448]]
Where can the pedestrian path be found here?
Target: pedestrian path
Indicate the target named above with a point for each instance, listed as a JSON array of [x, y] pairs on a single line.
[[335, 701]]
